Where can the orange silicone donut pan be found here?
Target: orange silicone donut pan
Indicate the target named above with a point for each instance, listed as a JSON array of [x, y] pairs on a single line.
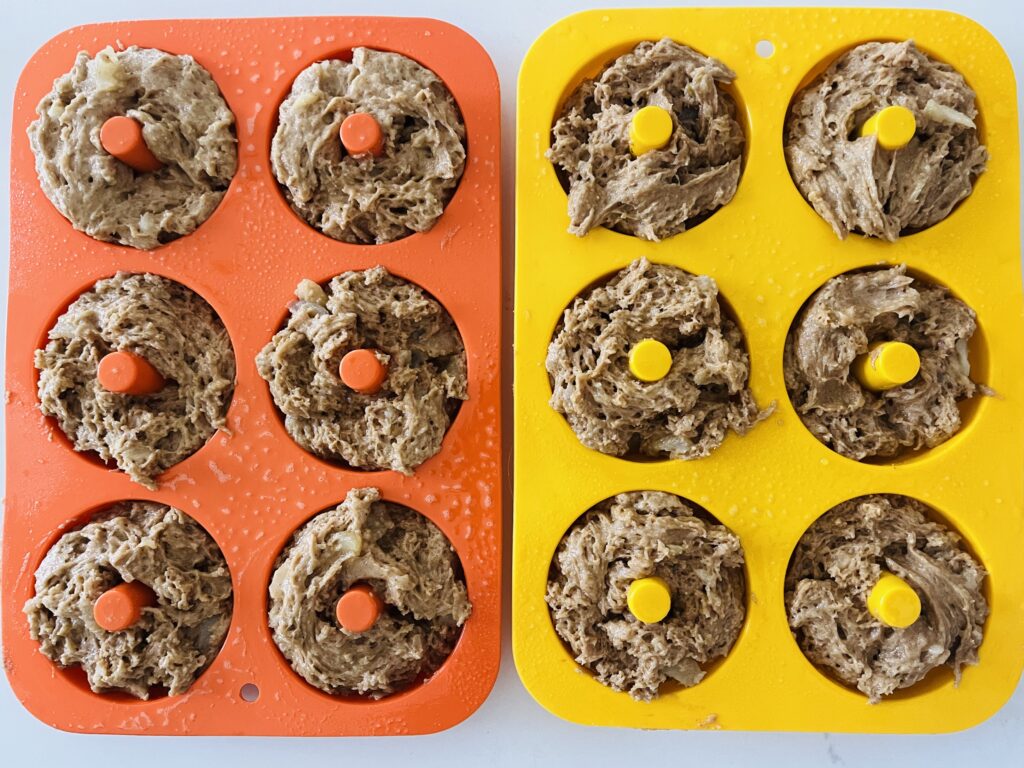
[[252, 486]]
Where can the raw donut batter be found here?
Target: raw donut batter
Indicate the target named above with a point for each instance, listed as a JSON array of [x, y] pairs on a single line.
[[411, 567], [684, 415], [634, 536], [855, 184], [185, 122], [838, 561], [178, 333], [369, 199], [660, 192], [175, 639], [839, 323], [401, 425]]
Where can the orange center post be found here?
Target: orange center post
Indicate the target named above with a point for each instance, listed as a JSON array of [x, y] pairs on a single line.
[[126, 373], [120, 607], [122, 137], [361, 135], [362, 371], [358, 609]]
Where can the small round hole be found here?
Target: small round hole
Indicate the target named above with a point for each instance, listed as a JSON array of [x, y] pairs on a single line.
[[250, 692], [765, 49]]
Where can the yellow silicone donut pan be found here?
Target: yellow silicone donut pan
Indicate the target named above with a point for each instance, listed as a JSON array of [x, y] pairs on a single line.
[[769, 251]]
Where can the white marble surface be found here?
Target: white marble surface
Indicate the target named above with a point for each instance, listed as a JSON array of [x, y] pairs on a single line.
[[510, 729]]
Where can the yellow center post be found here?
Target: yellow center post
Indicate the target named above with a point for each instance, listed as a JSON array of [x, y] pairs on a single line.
[[887, 364], [649, 599], [650, 360], [894, 602], [894, 126], [650, 128]]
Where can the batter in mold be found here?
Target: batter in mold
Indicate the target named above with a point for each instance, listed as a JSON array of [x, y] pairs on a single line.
[[356, 192], [185, 123], [658, 192], [686, 413], [178, 632], [834, 569], [171, 328], [414, 574], [841, 323], [397, 419], [851, 178], [636, 536]]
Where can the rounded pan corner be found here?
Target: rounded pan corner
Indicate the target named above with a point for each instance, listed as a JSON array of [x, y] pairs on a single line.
[[29, 705], [980, 29], [469, 40], [472, 706], [982, 715], [553, 706], [539, 45], [46, 49]]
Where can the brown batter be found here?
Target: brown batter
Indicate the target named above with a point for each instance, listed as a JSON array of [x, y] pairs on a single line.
[[174, 640], [852, 182], [410, 566], [633, 536], [837, 562], [178, 333], [400, 426], [686, 414], [185, 123], [839, 323], [661, 192], [369, 199]]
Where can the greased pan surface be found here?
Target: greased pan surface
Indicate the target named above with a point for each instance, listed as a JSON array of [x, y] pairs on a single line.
[[252, 486], [769, 251]]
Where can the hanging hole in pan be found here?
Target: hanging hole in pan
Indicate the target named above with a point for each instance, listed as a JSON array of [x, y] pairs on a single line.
[[249, 692], [765, 49]]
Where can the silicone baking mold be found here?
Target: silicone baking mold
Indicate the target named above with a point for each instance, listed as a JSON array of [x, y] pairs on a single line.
[[252, 486], [769, 251]]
